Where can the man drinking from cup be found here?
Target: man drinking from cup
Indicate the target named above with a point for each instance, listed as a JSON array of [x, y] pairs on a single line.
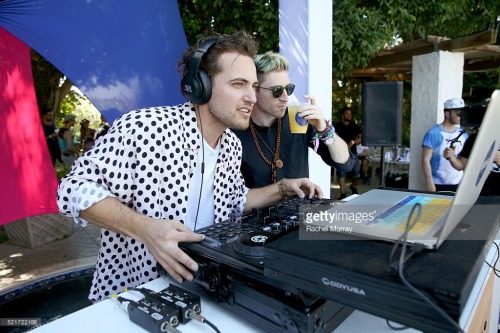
[[275, 146]]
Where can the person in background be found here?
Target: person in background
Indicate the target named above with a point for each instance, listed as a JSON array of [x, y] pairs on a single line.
[[102, 129], [363, 153], [348, 130], [270, 151], [162, 172], [69, 149], [439, 174], [86, 135], [50, 133]]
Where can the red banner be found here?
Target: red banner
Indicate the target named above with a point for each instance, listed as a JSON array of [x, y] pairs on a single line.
[[28, 182]]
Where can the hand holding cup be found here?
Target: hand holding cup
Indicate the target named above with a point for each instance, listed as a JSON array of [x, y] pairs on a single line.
[[298, 124]]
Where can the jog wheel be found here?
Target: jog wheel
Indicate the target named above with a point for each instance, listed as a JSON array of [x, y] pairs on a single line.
[[252, 244]]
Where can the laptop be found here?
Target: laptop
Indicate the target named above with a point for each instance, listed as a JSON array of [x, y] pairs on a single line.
[[383, 214]]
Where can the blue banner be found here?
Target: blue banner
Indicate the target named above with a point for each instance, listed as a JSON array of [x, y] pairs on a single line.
[[121, 54]]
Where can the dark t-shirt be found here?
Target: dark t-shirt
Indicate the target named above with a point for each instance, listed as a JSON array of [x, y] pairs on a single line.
[[492, 184], [52, 143], [348, 132], [293, 153]]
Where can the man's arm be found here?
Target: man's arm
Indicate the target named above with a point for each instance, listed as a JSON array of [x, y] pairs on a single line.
[[458, 163], [161, 237], [426, 168], [68, 137], [268, 195], [339, 151]]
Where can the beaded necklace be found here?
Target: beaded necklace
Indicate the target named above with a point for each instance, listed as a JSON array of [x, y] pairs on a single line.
[[276, 163]]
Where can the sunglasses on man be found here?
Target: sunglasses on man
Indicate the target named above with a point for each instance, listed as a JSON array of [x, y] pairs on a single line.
[[457, 112], [278, 91]]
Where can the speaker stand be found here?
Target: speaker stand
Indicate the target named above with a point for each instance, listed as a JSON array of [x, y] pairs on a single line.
[[382, 164]]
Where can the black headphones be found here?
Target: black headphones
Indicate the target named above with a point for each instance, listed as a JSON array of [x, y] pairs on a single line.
[[196, 85]]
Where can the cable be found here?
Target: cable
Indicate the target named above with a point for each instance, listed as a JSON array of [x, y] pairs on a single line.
[[402, 261], [396, 328], [202, 166], [415, 248], [203, 320], [495, 263]]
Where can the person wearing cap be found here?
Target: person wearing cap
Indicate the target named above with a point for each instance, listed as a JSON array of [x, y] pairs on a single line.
[[491, 186], [69, 150], [439, 173]]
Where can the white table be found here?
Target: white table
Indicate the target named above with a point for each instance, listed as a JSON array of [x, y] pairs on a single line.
[[389, 166], [109, 316]]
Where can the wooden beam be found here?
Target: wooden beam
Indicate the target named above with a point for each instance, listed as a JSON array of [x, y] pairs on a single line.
[[482, 65], [458, 44]]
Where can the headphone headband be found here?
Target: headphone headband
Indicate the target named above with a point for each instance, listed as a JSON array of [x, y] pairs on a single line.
[[196, 85]]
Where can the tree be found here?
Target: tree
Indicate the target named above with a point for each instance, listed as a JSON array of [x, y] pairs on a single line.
[[257, 17], [362, 28], [51, 86]]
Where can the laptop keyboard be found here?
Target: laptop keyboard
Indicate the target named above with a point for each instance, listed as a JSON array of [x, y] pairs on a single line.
[[397, 215]]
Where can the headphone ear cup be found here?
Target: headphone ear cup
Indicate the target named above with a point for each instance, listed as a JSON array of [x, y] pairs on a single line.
[[205, 87], [190, 87], [196, 85]]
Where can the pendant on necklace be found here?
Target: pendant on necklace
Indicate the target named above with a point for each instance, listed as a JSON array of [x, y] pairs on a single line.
[[279, 164]]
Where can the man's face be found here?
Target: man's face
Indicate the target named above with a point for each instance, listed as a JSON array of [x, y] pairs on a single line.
[[266, 102], [455, 116], [233, 91], [347, 116], [49, 116]]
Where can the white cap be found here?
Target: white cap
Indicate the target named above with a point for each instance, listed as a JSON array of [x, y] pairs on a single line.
[[454, 103]]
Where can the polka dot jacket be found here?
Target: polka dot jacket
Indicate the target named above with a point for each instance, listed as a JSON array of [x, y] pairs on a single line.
[[146, 161]]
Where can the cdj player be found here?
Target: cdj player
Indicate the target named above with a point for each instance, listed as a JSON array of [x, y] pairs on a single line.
[[231, 271]]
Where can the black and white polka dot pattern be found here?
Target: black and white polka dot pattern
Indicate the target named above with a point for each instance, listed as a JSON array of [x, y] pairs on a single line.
[[146, 162]]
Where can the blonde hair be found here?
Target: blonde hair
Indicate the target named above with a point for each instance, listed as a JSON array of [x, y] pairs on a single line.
[[270, 61]]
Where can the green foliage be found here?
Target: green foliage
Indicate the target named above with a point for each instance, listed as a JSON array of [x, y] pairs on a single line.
[[346, 93], [361, 28], [479, 86], [358, 34], [68, 105], [257, 17], [46, 79], [61, 170]]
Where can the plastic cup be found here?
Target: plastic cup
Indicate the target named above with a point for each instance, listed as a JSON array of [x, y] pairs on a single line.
[[297, 123]]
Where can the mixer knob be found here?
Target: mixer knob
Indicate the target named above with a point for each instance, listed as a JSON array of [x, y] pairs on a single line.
[[245, 226], [275, 227]]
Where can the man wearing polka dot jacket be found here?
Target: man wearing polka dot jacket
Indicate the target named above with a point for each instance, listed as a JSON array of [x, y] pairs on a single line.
[[143, 181]]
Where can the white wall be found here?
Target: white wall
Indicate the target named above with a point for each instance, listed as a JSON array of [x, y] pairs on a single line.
[[306, 40], [437, 76]]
